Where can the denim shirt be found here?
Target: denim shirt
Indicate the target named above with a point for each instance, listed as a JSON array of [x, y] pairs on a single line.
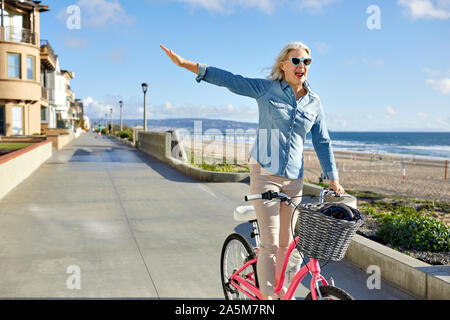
[[283, 122]]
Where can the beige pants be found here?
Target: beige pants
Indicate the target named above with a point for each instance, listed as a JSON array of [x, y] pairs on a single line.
[[274, 221]]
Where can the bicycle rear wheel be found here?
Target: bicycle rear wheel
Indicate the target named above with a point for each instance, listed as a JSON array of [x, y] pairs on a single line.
[[331, 293], [236, 251]]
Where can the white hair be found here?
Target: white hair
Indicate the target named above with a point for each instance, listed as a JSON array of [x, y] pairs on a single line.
[[277, 74]]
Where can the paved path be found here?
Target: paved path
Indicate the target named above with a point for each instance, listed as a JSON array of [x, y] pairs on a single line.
[[134, 227]]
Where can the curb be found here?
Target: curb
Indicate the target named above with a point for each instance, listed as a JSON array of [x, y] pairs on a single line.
[[413, 276], [205, 175]]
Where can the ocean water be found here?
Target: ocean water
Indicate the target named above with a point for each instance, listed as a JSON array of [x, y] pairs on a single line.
[[415, 144], [431, 145]]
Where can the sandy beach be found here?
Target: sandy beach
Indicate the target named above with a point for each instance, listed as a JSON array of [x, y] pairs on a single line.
[[424, 178]]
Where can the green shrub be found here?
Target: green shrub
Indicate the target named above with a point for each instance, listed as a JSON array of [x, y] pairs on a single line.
[[413, 230], [126, 134]]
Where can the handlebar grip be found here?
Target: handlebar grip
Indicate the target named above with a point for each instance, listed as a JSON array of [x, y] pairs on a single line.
[[329, 192], [253, 197]]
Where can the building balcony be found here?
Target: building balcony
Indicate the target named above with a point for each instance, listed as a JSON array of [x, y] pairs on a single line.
[[48, 58], [15, 34], [20, 90]]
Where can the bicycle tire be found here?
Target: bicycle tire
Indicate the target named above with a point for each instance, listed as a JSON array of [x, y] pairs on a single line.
[[332, 293], [235, 251]]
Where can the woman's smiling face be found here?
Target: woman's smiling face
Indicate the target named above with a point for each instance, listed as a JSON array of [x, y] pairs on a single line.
[[295, 75]]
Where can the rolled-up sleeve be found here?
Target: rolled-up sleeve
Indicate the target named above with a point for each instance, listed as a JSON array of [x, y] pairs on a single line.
[[201, 72]]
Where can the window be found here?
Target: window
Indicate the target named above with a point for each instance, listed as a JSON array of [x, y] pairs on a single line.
[[30, 68], [14, 65], [17, 120], [2, 120], [44, 115]]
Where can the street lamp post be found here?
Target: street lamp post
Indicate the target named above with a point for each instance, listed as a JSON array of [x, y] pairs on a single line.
[[144, 89], [106, 120], [111, 109], [121, 123]]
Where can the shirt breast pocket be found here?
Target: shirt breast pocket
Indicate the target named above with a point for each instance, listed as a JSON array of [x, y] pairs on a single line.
[[306, 119], [278, 110]]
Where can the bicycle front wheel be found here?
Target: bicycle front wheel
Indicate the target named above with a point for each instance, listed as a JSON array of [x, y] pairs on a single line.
[[331, 293], [235, 253]]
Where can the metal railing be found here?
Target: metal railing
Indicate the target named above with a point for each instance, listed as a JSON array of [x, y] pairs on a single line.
[[46, 47], [17, 34]]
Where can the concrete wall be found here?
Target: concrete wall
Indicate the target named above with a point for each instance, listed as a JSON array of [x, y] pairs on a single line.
[[59, 141], [154, 143], [17, 166]]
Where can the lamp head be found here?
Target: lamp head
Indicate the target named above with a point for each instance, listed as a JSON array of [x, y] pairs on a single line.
[[144, 87]]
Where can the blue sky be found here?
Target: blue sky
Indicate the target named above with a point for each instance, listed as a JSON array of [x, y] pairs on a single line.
[[396, 76]]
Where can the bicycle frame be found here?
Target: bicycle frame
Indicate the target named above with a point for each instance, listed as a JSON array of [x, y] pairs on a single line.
[[312, 267], [253, 292]]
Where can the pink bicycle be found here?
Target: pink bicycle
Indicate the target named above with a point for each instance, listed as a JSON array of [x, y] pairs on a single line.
[[326, 230]]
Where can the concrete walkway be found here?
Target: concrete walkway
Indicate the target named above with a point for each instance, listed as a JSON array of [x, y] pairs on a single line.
[[133, 227]]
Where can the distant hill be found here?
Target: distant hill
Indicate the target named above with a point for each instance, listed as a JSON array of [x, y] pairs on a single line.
[[188, 124]]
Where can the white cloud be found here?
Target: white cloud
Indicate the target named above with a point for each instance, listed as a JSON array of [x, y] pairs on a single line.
[[315, 5], [228, 6], [266, 6], [99, 13], [230, 112], [422, 114], [443, 85], [133, 109], [426, 9], [95, 109], [390, 111]]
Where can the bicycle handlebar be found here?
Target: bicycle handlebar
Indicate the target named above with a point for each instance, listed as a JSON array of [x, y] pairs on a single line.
[[270, 195]]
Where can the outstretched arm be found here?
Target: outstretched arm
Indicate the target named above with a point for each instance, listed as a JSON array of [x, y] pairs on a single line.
[[181, 62], [253, 88]]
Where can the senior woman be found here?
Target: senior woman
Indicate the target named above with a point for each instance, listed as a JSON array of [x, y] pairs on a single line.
[[288, 110]]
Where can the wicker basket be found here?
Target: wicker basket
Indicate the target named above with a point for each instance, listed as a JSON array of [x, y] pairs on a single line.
[[324, 238]]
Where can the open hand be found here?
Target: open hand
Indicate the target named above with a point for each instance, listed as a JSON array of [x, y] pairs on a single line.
[[172, 55], [335, 186]]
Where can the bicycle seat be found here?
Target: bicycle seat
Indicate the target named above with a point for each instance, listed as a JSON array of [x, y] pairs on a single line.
[[244, 213]]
